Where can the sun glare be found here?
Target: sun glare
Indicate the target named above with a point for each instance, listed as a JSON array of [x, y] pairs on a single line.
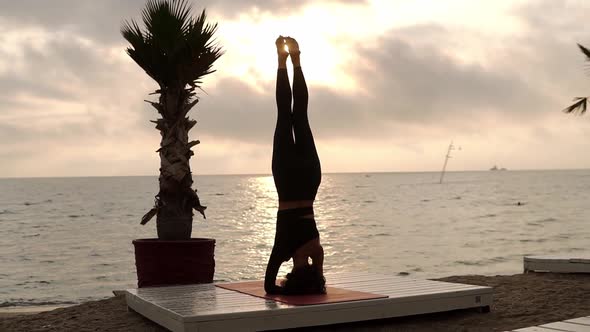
[[330, 35], [325, 41]]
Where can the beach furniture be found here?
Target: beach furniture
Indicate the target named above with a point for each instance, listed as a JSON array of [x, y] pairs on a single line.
[[565, 263], [581, 324], [207, 307]]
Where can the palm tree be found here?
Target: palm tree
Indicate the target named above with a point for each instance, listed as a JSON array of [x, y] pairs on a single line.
[[580, 103], [176, 50]]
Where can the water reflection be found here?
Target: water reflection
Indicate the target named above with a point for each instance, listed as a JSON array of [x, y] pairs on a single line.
[[264, 210]]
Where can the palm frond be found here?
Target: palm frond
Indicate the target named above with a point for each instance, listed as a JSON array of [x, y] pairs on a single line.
[[578, 107], [201, 51], [580, 104], [140, 48], [175, 49], [585, 51], [587, 54]]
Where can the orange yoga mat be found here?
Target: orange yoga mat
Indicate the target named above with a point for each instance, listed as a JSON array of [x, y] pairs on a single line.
[[333, 294]]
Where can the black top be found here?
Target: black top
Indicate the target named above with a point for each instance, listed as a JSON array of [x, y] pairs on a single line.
[[293, 231]]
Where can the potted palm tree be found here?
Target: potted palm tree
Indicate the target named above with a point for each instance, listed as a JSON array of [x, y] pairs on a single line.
[[580, 103], [176, 49]]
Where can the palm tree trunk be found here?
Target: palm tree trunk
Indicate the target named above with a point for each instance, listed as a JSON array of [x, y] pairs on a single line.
[[175, 217], [176, 198]]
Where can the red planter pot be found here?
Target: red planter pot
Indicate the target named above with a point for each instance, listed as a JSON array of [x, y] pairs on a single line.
[[161, 263]]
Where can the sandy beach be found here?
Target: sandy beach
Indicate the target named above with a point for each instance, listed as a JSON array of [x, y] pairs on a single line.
[[519, 300]]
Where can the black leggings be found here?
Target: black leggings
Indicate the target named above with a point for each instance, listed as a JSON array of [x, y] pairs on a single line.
[[295, 163]]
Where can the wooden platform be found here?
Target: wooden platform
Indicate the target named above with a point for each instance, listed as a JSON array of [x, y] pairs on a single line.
[[581, 324], [566, 263], [208, 308]]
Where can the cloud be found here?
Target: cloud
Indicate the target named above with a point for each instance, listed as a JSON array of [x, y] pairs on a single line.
[[233, 8], [422, 84], [101, 20], [404, 86]]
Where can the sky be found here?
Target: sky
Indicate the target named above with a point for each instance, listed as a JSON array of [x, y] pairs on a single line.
[[391, 84]]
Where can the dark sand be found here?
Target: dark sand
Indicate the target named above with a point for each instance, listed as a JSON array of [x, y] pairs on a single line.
[[519, 301]]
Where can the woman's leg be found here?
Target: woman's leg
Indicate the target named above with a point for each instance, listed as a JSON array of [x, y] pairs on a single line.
[[283, 144], [304, 141], [303, 135], [283, 137]]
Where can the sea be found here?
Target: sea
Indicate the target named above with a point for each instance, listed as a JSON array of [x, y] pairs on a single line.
[[65, 241]]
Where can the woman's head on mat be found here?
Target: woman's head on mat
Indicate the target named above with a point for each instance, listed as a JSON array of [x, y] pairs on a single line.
[[306, 279]]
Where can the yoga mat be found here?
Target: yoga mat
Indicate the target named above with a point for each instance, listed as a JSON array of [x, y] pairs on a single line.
[[333, 294]]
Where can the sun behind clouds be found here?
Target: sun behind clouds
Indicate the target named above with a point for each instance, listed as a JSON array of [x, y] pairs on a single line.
[[251, 53]]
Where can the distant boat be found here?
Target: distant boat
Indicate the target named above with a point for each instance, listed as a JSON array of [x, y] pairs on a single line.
[[495, 168]]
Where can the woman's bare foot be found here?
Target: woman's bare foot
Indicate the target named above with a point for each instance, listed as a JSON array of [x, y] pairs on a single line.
[[293, 51], [281, 52], [292, 45]]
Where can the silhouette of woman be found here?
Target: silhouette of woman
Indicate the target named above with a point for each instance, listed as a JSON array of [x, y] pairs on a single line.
[[297, 176]]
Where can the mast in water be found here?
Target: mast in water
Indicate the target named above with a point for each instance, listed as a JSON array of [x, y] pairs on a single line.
[[442, 174]]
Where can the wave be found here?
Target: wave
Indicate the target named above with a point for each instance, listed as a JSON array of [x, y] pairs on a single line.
[[382, 234], [40, 282], [33, 303], [539, 240], [37, 203], [482, 262], [490, 215], [470, 263]]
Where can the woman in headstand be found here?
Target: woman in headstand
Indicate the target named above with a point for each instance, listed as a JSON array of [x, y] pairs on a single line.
[[297, 175]]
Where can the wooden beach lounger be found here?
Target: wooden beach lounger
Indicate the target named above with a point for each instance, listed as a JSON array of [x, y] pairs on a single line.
[[566, 263], [581, 324], [206, 307]]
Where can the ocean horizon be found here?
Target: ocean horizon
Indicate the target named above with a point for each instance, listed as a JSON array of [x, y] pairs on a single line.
[[195, 175]]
